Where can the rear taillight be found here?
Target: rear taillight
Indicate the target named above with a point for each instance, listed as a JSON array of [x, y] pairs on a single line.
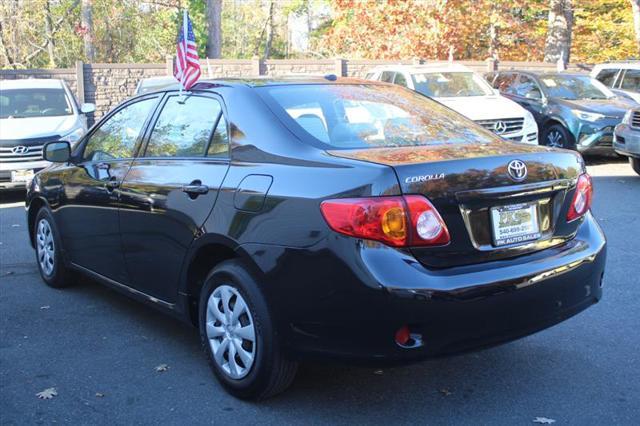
[[582, 198], [397, 221]]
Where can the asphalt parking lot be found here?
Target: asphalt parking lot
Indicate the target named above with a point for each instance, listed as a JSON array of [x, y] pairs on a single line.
[[100, 350]]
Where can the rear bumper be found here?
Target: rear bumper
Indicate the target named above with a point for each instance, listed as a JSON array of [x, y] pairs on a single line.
[[627, 140], [456, 309]]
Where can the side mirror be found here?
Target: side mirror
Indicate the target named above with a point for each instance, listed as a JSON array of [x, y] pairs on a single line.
[[533, 94], [57, 152], [87, 108]]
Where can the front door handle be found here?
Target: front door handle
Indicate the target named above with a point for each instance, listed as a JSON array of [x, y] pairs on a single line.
[[195, 188]]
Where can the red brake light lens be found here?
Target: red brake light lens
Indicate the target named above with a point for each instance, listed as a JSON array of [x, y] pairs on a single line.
[[397, 221], [582, 198]]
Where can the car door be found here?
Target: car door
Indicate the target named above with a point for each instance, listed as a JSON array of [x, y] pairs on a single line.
[[631, 81], [171, 189], [89, 203]]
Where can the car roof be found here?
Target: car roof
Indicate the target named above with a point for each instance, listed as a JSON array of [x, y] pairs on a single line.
[[432, 67], [32, 83], [540, 74], [625, 65], [280, 81]]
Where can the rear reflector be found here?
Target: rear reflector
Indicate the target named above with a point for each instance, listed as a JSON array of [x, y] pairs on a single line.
[[397, 221], [582, 198]]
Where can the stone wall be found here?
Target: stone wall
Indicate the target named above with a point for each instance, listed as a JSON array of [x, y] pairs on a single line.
[[107, 85]]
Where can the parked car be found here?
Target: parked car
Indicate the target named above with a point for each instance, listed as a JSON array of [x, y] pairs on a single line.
[[466, 92], [623, 78], [376, 226], [573, 111], [151, 84], [32, 113], [627, 138]]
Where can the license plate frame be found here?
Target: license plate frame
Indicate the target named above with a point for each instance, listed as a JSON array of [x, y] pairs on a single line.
[[509, 224], [18, 176]]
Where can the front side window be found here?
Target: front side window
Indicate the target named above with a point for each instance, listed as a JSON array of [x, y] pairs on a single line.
[[184, 127], [368, 116], [631, 81], [451, 84], [527, 88], [573, 87], [23, 103], [117, 136], [505, 82], [607, 77]]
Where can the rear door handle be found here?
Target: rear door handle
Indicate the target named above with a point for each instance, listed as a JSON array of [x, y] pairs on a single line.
[[195, 188]]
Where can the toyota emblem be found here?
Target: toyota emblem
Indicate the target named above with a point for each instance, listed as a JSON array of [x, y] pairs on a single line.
[[500, 127], [20, 149], [517, 170]]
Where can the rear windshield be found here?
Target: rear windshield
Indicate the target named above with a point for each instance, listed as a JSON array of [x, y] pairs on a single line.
[[451, 84], [368, 116], [21, 103]]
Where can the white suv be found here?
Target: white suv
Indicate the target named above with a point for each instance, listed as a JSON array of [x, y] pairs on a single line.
[[466, 92], [623, 78], [32, 113]]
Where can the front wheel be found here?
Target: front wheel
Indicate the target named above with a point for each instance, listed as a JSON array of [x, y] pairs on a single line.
[[635, 164], [239, 336], [556, 136], [48, 244]]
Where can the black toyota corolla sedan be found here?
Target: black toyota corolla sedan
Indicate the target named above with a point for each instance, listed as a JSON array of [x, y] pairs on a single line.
[[319, 217]]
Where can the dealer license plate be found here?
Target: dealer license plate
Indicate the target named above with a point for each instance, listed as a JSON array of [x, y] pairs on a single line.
[[516, 223], [21, 175]]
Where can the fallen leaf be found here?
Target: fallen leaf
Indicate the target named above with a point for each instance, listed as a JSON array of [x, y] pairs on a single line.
[[543, 420], [15, 225], [45, 307], [47, 393], [445, 392], [9, 273], [378, 372], [162, 367], [99, 395]]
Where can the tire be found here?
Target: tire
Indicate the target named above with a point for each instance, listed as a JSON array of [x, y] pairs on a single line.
[[49, 251], [227, 287], [557, 136], [635, 164]]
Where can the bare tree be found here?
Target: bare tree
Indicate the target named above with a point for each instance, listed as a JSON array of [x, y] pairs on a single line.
[[87, 28], [48, 33], [635, 6], [559, 28], [214, 28]]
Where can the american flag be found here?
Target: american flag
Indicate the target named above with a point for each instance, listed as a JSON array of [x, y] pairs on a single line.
[[187, 65]]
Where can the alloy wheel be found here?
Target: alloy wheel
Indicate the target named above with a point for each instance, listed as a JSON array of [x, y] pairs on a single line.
[[45, 247], [555, 139], [231, 332]]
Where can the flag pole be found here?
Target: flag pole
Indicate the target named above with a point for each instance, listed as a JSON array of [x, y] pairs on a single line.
[[185, 35]]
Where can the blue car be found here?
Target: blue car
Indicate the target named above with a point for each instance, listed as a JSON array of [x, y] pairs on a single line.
[[573, 111]]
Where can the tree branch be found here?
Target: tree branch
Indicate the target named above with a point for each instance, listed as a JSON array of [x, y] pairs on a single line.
[[54, 30]]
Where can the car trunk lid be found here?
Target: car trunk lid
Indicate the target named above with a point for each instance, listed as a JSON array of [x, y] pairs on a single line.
[[466, 181]]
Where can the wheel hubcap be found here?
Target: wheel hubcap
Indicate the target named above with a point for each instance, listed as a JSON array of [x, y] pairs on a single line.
[[45, 247], [231, 332], [554, 138]]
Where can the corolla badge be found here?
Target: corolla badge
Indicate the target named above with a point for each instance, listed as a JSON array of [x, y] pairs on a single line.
[[20, 149], [500, 127], [517, 170], [424, 178]]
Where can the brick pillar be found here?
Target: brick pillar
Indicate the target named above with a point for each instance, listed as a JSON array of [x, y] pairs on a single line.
[[80, 82], [169, 65], [340, 67], [492, 64]]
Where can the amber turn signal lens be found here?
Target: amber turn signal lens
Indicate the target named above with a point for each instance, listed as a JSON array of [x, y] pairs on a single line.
[[394, 223]]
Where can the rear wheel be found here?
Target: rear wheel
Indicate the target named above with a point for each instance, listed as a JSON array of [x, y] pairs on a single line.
[[557, 136], [635, 164], [239, 337], [49, 251]]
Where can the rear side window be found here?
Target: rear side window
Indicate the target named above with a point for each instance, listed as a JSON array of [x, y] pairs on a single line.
[[631, 81], [400, 80], [607, 77], [368, 116], [117, 136], [184, 127], [387, 76]]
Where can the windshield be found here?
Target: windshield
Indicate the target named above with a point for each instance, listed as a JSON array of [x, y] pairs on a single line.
[[574, 87], [366, 116], [451, 84], [21, 103]]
